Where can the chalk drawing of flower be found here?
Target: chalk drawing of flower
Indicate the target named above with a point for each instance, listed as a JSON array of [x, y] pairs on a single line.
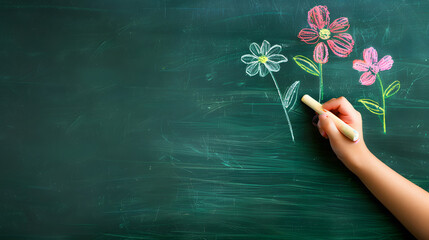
[[323, 33], [322, 30], [372, 68], [264, 59]]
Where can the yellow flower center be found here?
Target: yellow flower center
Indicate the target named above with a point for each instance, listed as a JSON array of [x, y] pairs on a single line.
[[262, 59], [324, 34]]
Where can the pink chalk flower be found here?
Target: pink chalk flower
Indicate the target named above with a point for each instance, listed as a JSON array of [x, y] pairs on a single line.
[[322, 30], [371, 66]]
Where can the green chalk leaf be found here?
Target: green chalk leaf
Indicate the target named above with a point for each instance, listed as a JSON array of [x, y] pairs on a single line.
[[307, 65], [372, 106], [392, 89]]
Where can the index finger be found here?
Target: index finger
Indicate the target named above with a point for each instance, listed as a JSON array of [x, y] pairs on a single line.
[[340, 105]]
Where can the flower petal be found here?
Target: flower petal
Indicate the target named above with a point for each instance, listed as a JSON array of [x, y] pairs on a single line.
[[385, 63], [309, 36], [360, 65], [318, 17], [276, 49], [339, 25], [272, 66], [265, 47], [255, 49], [249, 58], [252, 69], [320, 54], [367, 78], [278, 58], [342, 44], [370, 55], [263, 70]]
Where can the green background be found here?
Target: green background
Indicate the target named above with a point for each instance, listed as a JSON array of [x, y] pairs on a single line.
[[136, 120]]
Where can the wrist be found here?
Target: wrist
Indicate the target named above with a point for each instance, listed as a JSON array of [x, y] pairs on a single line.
[[362, 162]]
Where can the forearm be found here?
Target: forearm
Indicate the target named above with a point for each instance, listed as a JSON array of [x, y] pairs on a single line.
[[406, 201]]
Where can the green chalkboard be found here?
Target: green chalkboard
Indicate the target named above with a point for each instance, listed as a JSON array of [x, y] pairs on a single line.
[[137, 120]]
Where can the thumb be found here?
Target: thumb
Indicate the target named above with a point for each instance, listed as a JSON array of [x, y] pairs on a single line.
[[329, 127]]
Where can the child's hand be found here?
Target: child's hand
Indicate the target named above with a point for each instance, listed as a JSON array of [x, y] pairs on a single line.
[[408, 202], [349, 152]]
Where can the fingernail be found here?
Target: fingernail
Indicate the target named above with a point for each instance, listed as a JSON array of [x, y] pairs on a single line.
[[323, 115], [324, 134], [315, 120]]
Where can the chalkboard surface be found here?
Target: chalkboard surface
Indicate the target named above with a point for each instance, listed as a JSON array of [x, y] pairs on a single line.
[[136, 120]]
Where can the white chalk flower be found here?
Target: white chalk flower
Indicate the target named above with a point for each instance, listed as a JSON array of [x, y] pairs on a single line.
[[264, 59]]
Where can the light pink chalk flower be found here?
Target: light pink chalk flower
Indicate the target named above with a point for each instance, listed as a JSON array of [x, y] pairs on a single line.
[[371, 66], [339, 42]]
